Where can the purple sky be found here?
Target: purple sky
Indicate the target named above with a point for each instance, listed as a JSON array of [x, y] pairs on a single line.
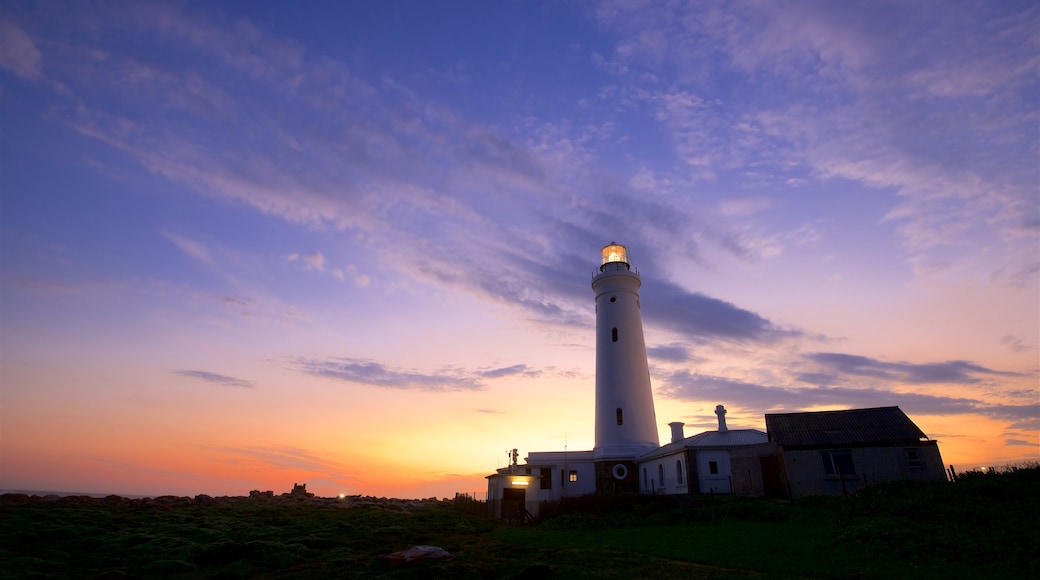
[[246, 242]]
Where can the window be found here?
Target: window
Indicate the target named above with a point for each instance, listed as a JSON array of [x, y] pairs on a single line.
[[646, 480], [678, 471], [620, 419], [574, 476], [546, 478], [913, 458], [613, 334], [838, 463], [660, 475], [713, 467]]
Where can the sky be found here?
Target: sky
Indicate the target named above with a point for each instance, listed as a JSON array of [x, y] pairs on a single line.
[[250, 244]]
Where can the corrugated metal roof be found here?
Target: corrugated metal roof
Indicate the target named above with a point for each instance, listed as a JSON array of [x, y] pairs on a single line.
[[730, 438], [838, 428]]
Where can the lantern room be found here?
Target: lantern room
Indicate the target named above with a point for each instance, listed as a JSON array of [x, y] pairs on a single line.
[[614, 254]]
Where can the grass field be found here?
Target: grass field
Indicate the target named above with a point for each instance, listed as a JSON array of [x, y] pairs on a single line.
[[983, 526]]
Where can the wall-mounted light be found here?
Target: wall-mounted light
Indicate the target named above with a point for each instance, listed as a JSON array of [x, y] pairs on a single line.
[[519, 481]]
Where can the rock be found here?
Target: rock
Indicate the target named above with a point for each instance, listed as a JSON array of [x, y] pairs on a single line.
[[14, 499]]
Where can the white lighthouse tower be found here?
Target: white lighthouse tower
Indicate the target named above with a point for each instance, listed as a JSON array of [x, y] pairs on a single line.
[[626, 426]]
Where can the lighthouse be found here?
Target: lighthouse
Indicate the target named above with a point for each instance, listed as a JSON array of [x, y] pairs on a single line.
[[626, 426]]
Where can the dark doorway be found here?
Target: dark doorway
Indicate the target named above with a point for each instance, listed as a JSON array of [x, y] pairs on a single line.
[[514, 504], [772, 483]]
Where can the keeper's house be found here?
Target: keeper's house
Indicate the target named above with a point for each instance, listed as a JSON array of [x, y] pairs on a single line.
[[836, 452]]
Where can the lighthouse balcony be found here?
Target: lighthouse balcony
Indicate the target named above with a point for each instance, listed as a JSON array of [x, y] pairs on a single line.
[[615, 267]]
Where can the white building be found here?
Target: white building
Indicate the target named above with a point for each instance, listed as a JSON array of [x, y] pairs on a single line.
[[722, 461]]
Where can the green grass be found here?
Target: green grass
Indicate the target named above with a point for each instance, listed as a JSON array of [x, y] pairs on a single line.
[[984, 526]]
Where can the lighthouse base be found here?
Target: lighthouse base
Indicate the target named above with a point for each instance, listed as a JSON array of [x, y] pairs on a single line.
[[617, 477]]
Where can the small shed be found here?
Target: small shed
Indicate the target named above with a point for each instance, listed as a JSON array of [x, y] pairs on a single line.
[[836, 452]]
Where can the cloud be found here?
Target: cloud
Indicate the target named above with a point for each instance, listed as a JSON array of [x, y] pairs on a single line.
[[515, 370], [713, 389], [702, 318], [367, 372], [18, 54], [313, 261], [949, 372], [292, 458], [669, 353], [215, 378], [743, 206], [1014, 343], [371, 163], [883, 95], [1020, 442], [192, 248]]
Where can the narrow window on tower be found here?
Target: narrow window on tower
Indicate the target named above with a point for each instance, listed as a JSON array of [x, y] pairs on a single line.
[[613, 334], [620, 420]]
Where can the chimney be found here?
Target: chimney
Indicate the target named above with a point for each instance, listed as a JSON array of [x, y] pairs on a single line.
[[721, 412], [677, 431]]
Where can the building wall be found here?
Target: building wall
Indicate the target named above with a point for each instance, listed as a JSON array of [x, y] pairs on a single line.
[[746, 468], [717, 480], [552, 467], [501, 487], [807, 473], [667, 475], [562, 486], [739, 471]]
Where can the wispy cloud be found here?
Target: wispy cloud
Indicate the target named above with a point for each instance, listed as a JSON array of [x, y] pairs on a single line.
[[18, 53], [292, 458], [948, 372], [702, 318], [696, 387], [896, 104], [367, 372], [215, 378], [515, 370], [193, 248], [669, 353], [310, 261], [1014, 343]]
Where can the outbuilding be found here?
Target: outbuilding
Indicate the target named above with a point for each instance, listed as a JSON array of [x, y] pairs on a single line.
[[837, 452]]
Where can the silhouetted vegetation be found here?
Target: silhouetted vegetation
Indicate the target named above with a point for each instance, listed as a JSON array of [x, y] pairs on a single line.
[[984, 525]]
